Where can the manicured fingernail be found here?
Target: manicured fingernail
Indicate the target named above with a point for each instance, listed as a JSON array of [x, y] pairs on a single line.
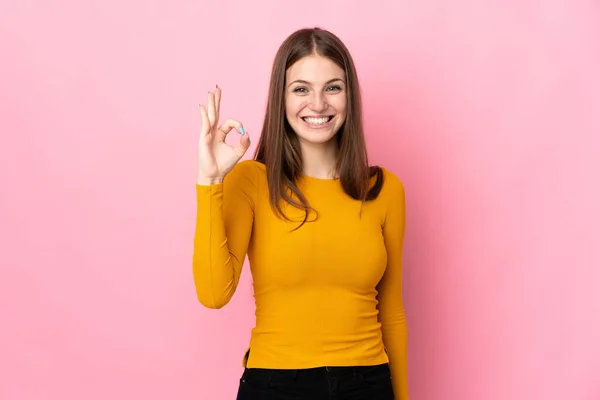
[[242, 131], [217, 86]]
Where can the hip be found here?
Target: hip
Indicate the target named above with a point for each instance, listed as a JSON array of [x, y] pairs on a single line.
[[363, 382]]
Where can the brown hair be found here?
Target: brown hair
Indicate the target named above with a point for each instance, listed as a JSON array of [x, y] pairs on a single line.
[[279, 148]]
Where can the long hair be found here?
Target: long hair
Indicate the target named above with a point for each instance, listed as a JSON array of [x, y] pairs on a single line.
[[279, 148]]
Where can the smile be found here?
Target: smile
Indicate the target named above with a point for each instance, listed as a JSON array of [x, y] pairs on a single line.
[[317, 121]]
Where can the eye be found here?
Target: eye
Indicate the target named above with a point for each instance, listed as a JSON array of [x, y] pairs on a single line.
[[300, 90], [334, 88]]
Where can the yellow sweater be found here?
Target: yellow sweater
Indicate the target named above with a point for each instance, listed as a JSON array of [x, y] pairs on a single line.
[[327, 294]]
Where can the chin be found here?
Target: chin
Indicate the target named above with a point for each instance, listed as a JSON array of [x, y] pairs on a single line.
[[316, 139]]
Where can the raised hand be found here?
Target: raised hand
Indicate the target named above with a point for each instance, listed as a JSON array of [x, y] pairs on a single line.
[[215, 157]]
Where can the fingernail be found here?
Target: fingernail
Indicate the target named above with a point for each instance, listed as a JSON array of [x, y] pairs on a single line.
[[217, 86], [242, 131]]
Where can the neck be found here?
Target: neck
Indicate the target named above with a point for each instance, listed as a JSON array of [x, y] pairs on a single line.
[[319, 160]]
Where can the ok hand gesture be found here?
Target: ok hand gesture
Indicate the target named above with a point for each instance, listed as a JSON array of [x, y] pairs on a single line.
[[215, 157]]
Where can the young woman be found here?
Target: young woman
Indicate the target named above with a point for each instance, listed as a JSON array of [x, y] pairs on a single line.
[[322, 229]]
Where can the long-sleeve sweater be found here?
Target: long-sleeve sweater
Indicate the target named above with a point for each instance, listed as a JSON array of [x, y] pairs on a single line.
[[326, 294]]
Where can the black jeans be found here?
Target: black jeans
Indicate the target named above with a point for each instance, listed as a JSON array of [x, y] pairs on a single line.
[[324, 383]]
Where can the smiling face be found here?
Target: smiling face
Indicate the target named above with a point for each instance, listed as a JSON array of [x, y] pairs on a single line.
[[315, 99]]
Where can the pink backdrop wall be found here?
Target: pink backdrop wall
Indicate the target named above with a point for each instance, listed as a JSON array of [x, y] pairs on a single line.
[[488, 111]]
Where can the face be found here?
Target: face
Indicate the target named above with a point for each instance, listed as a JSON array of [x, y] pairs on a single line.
[[315, 99]]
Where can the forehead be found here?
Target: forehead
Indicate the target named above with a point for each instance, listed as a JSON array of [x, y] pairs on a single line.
[[315, 69]]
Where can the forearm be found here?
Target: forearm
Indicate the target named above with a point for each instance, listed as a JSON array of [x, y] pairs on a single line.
[[395, 334], [214, 267]]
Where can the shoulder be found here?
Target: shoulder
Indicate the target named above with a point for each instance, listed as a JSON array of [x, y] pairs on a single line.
[[391, 182], [393, 199], [249, 169], [393, 187], [247, 174]]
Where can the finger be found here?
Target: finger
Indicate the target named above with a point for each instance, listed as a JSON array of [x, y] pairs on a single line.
[[218, 101], [205, 129], [244, 145], [227, 126], [212, 114]]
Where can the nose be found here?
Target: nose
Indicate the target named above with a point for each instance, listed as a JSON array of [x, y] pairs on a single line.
[[319, 102]]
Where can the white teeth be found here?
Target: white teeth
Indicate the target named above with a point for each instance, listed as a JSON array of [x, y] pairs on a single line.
[[316, 121]]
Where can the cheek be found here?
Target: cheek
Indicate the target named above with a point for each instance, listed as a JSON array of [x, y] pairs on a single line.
[[339, 103], [294, 106]]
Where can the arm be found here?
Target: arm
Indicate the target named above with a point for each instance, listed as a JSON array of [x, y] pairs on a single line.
[[225, 215], [391, 308]]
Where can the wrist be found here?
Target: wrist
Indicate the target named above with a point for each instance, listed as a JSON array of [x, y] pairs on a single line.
[[209, 180]]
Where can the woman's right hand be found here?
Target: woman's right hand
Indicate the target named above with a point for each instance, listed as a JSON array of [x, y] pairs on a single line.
[[215, 157]]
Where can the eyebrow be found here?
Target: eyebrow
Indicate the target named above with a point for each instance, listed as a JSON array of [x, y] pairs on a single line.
[[308, 83]]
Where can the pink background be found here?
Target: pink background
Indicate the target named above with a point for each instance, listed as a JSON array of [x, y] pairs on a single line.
[[488, 111]]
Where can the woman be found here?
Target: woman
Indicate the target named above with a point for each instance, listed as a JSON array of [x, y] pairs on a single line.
[[323, 232]]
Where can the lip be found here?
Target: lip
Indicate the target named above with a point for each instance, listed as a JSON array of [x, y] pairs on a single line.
[[320, 126]]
